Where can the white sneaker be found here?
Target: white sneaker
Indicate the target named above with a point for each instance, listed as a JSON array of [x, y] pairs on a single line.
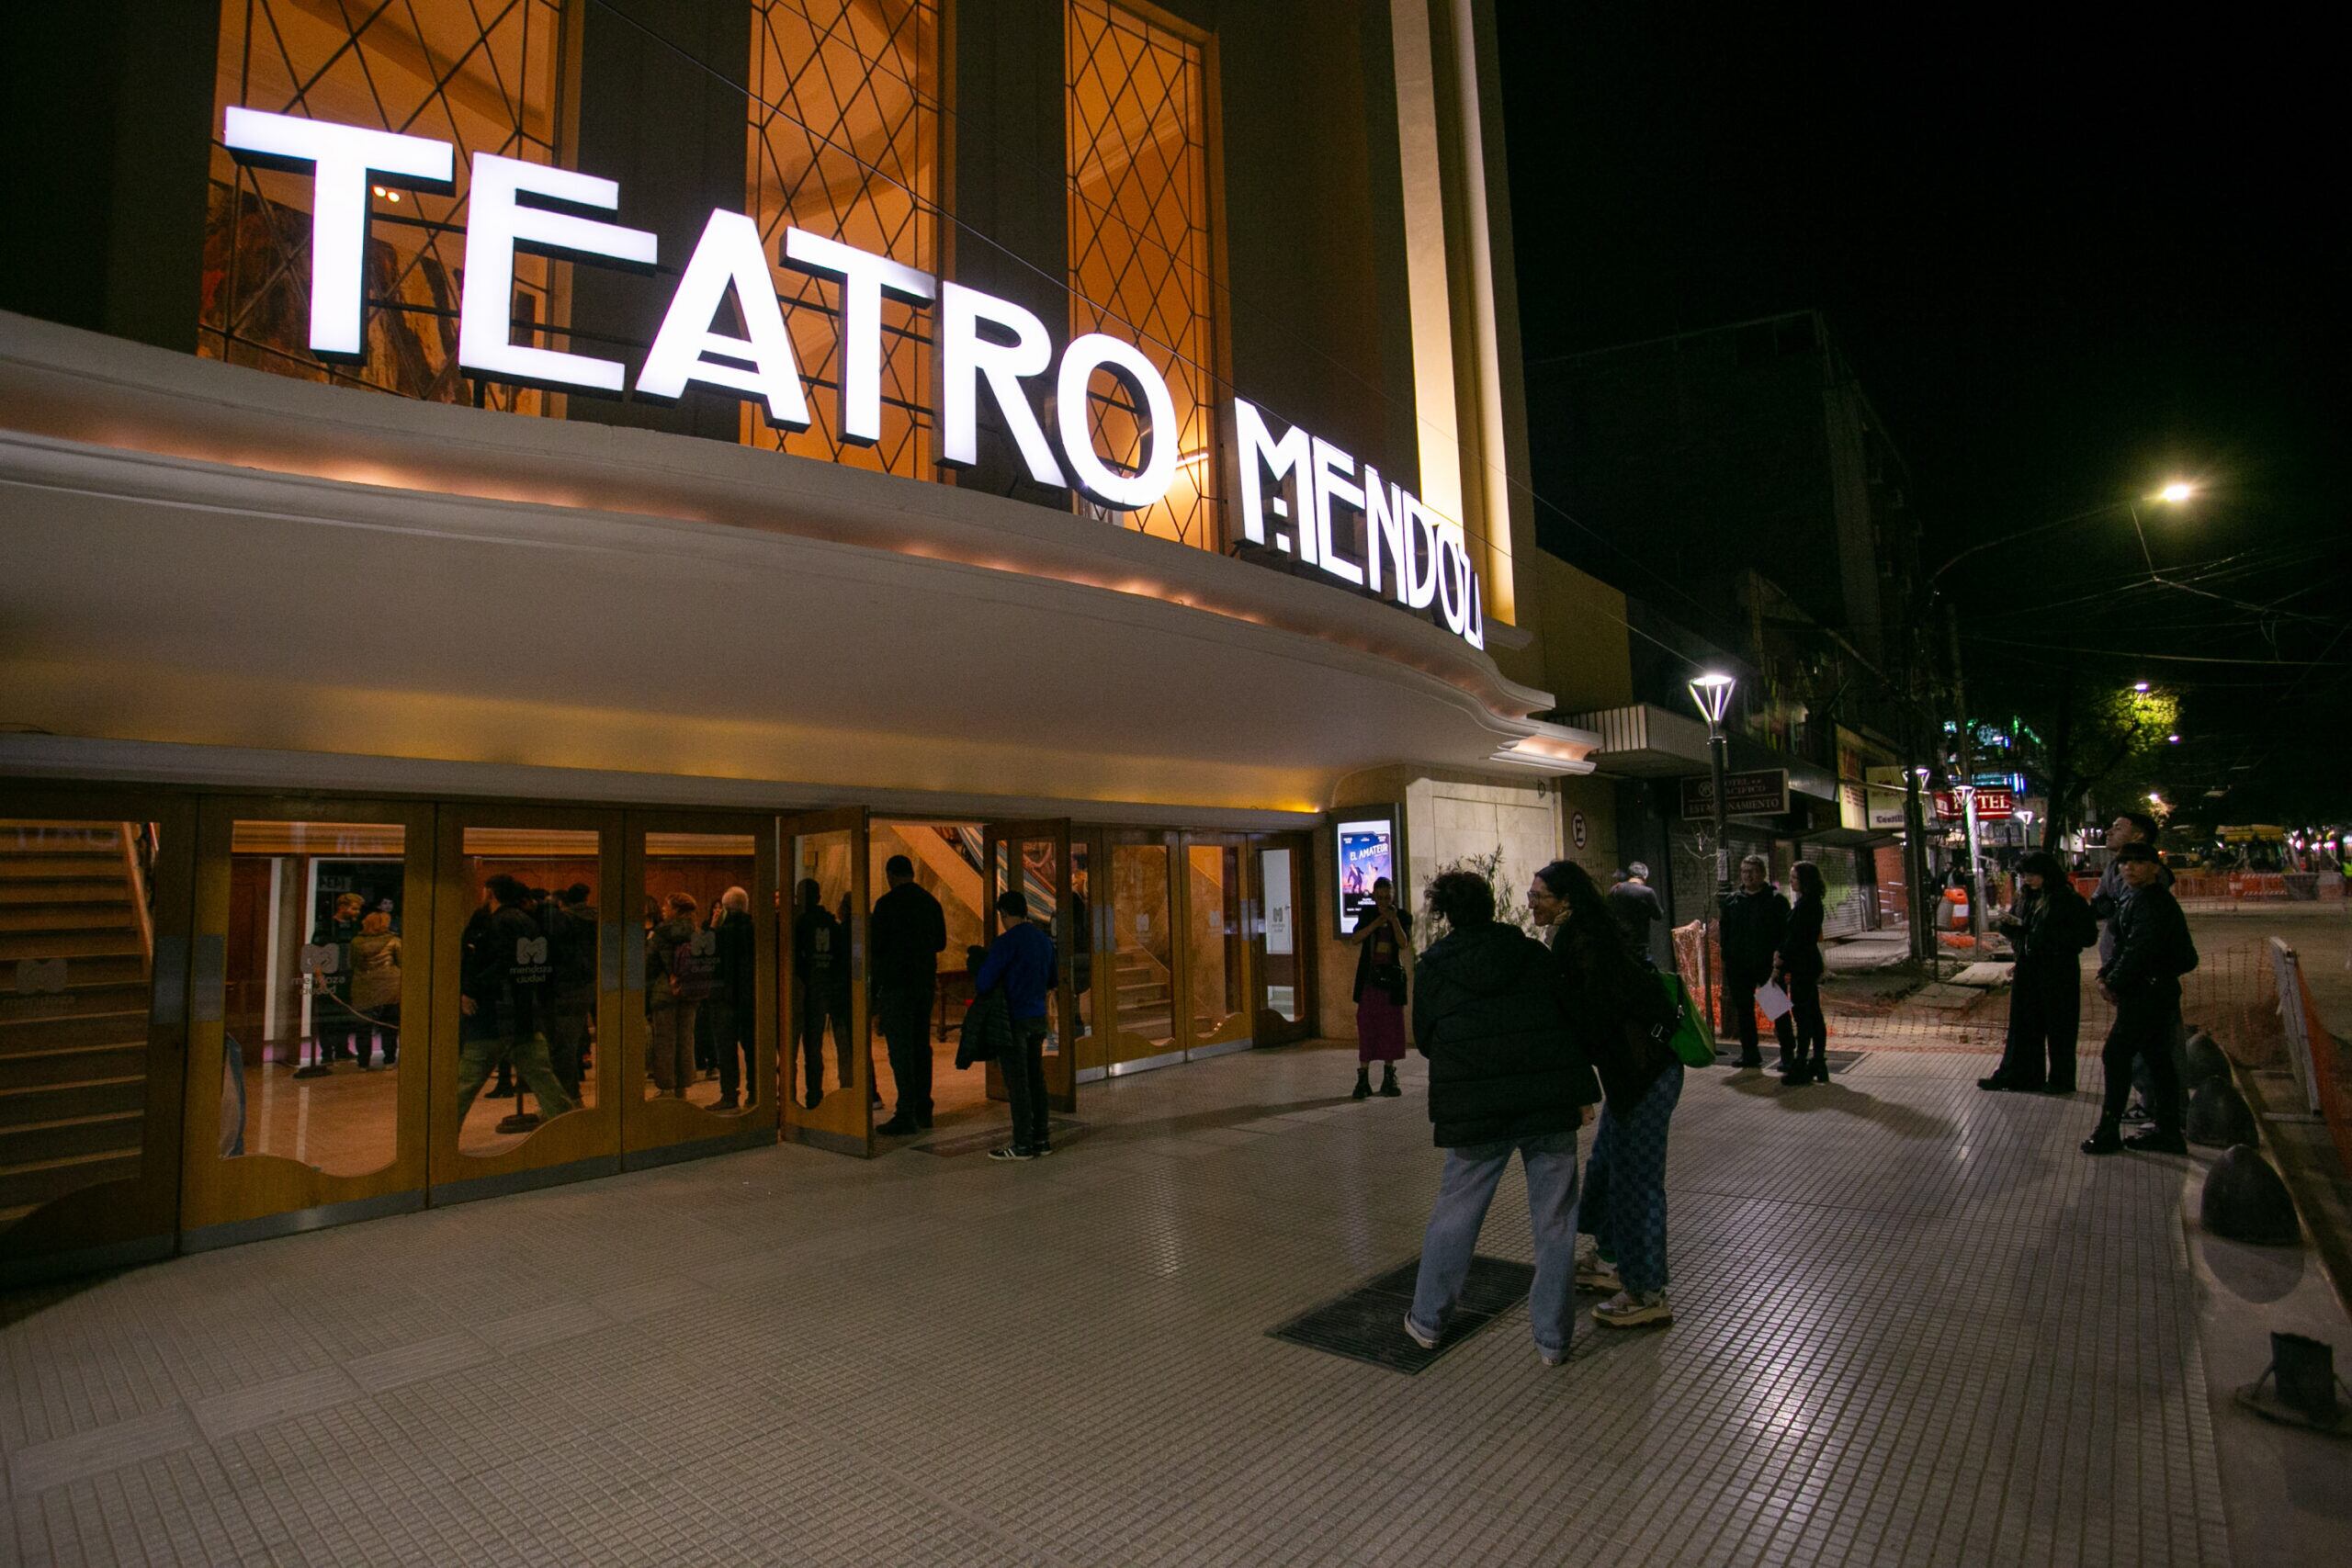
[[1550, 1357], [1597, 1275], [1625, 1310], [1587, 1249], [1426, 1341]]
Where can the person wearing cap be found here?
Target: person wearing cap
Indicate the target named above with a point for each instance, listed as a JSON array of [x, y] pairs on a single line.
[[2051, 926], [2152, 950], [1634, 906]]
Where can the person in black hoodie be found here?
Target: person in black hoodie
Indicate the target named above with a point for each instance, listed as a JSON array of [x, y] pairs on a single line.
[[1505, 1074], [1798, 966], [1755, 916], [2152, 950], [2052, 926], [1623, 1018]]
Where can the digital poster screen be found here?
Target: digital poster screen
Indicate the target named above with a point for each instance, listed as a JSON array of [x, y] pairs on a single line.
[[1367, 851]]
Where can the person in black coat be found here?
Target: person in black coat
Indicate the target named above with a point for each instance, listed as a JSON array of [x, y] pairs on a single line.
[[2152, 950], [907, 932], [1505, 1074], [1798, 966], [1755, 916], [1623, 1018], [2051, 926]]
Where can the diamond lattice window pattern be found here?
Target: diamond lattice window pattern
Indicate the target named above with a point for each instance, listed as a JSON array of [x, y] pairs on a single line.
[[479, 74], [845, 143], [1139, 244]]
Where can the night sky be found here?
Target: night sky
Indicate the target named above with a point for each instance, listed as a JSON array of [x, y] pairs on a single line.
[[2067, 264]]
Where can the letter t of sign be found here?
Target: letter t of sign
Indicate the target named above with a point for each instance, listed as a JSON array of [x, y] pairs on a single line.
[[342, 159]]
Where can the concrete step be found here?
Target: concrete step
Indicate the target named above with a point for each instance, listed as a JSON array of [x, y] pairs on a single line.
[[29, 1186], [71, 1032], [77, 867], [82, 973], [68, 945], [57, 919], [71, 1138], [23, 1105], [65, 890]]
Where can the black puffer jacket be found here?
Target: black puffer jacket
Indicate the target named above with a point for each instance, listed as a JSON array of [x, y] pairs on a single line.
[[1612, 1006], [1502, 1064]]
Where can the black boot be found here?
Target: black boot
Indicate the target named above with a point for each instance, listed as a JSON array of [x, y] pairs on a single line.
[[1364, 1083], [1388, 1090], [2103, 1139]]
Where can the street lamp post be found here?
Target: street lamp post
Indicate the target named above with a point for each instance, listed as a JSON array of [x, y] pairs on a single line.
[[1711, 692]]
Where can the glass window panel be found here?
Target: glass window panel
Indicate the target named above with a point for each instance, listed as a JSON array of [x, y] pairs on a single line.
[[1147, 957], [1218, 946], [528, 982], [845, 143], [76, 983], [317, 948], [1286, 978], [482, 76], [1139, 253], [947, 859], [701, 969], [820, 1001]]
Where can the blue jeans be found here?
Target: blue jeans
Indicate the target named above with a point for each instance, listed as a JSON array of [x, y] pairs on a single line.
[[1463, 1194], [1625, 1184]]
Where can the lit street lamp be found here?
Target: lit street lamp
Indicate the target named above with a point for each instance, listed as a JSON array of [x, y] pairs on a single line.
[[1711, 692]]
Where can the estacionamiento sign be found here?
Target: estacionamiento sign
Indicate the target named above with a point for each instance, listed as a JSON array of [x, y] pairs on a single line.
[[1758, 792], [984, 345]]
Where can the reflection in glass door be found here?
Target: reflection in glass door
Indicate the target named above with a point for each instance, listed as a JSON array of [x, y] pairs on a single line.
[[1281, 939], [698, 1010], [828, 1073], [527, 1045], [1216, 968], [313, 923], [1145, 954], [94, 944]]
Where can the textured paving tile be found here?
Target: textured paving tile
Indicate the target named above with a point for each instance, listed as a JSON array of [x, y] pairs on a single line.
[[1911, 1327]]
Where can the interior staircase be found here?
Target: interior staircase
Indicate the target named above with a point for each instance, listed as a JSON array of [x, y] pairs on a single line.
[[75, 956], [1147, 1001]]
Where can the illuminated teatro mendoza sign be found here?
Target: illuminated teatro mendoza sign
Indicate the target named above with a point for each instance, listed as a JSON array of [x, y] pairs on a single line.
[[1300, 495]]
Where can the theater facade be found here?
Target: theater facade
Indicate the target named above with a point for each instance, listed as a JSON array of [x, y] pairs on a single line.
[[595, 463]]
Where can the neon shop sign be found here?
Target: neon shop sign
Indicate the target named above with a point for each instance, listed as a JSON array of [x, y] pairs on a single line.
[[1297, 492]]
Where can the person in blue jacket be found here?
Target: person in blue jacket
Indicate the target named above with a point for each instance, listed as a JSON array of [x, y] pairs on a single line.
[[1021, 961]]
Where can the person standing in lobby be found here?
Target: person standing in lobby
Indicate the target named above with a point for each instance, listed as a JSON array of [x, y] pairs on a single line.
[[1755, 917], [1384, 940], [1506, 1074], [681, 972], [908, 935], [734, 1006], [1021, 961]]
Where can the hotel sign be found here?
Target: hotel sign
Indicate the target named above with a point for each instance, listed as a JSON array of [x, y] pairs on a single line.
[[1300, 495], [1758, 792]]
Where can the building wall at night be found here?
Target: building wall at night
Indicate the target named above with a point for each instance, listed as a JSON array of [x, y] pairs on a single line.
[[292, 628]]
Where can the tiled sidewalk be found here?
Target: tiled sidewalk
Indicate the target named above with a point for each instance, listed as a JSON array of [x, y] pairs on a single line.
[[1914, 1326]]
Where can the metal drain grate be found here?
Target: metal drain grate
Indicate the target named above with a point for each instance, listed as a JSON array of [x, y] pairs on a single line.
[[1368, 1322], [1838, 1060]]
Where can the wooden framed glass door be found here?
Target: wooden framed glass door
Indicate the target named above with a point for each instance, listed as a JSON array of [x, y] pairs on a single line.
[[828, 1095], [1219, 1013], [311, 975], [1147, 952], [1281, 936], [699, 996], [96, 895], [533, 922], [1035, 858]]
